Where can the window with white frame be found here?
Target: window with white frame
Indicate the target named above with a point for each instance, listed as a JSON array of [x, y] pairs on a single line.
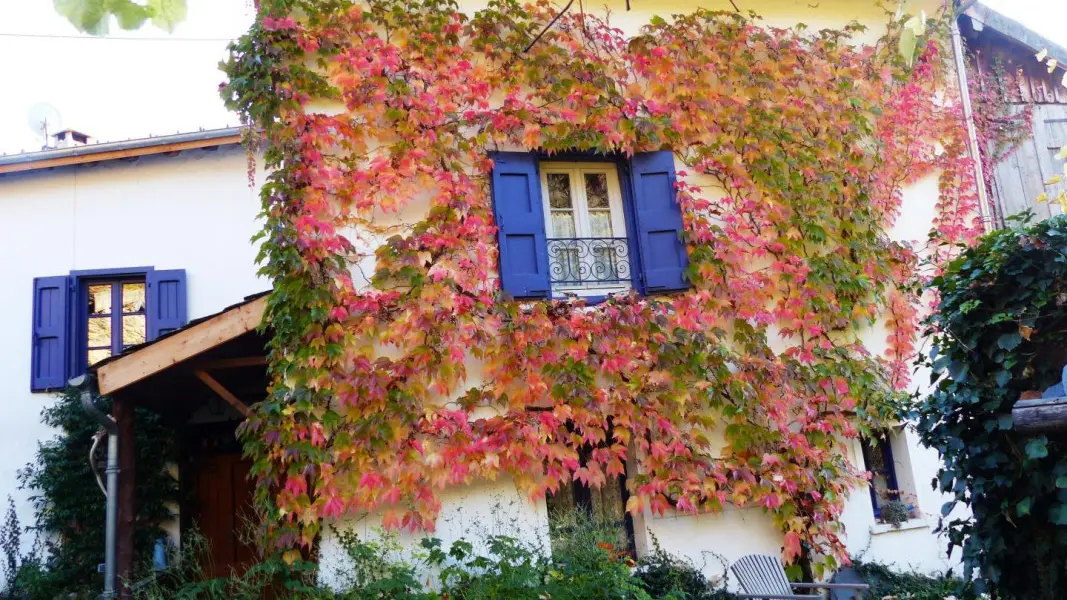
[[588, 224], [587, 242]]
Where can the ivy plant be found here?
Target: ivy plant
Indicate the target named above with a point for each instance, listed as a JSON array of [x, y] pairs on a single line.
[[1001, 330], [796, 146]]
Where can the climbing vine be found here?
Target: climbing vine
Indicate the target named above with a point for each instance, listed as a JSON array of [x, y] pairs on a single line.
[[401, 368]]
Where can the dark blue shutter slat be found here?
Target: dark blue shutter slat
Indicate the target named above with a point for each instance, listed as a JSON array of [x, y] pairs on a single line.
[[659, 222], [51, 333], [520, 221], [166, 304]]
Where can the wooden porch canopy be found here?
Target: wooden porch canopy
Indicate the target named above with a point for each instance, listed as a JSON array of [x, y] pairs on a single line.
[[221, 356]]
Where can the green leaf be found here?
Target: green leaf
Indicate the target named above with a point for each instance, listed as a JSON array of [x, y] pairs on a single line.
[[1037, 448], [1009, 341], [1057, 515], [947, 508], [1061, 482], [89, 16], [166, 14], [1005, 421], [1023, 507]]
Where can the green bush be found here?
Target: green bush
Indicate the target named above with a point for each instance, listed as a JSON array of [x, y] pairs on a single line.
[[582, 566], [1001, 330], [70, 508], [887, 583], [661, 574]]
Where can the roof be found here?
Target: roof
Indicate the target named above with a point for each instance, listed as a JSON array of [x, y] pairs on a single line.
[[193, 339], [91, 153], [984, 18]]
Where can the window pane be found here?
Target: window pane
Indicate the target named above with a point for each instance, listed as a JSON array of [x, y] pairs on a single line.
[[596, 190], [100, 299], [600, 222], [96, 356], [563, 224], [132, 330], [99, 332], [559, 190], [132, 297]]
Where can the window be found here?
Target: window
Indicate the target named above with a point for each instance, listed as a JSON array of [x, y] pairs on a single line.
[[586, 226], [589, 225], [87, 316], [892, 497], [605, 507]]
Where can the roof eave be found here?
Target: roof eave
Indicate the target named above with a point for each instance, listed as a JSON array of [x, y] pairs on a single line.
[[62, 157]]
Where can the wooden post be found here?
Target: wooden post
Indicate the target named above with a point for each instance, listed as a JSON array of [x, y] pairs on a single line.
[[122, 410], [1041, 415]]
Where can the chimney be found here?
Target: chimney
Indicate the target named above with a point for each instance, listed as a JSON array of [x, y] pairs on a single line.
[[69, 138]]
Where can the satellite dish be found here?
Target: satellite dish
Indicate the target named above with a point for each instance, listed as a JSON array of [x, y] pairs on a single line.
[[44, 120]]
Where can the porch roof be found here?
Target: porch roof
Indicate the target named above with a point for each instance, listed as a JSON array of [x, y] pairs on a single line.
[[219, 355]]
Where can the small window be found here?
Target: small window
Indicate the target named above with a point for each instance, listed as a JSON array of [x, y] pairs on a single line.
[[587, 243], [891, 485], [604, 507], [85, 317], [114, 317]]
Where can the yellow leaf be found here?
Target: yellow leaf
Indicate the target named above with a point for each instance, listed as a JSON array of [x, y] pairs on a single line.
[[1041, 55], [1026, 332], [1043, 197], [1054, 180], [1052, 65], [1062, 154]]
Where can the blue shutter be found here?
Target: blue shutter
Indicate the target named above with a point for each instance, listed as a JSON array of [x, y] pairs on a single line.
[[51, 333], [520, 220], [658, 222], [166, 302]]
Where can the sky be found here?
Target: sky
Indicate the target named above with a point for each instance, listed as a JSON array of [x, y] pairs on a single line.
[[133, 84]]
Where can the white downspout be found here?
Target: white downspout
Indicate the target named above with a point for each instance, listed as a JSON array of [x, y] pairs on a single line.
[[968, 117]]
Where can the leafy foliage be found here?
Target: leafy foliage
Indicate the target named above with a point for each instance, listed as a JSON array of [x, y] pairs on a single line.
[[94, 16], [1000, 330], [500, 566], [383, 383], [69, 505], [888, 583]]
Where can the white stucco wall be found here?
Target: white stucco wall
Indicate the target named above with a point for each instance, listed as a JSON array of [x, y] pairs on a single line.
[[192, 211]]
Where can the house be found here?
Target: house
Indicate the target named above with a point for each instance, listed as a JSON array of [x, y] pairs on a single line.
[[1002, 51], [161, 227], [115, 244]]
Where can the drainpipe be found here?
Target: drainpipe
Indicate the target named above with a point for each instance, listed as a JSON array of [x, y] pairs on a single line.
[[110, 527], [968, 117]]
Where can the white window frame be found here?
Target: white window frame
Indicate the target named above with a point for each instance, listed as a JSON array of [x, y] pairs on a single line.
[[580, 207]]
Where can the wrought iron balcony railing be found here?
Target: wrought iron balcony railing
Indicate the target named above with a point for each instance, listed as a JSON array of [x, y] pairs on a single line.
[[588, 261]]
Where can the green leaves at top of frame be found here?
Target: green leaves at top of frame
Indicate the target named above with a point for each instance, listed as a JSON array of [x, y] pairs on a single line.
[[94, 16]]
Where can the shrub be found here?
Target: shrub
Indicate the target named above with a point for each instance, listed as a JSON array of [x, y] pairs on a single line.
[[887, 583], [1001, 330], [661, 574], [70, 508]]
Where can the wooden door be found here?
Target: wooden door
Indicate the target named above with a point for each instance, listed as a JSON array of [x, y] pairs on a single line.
[[223, 511]]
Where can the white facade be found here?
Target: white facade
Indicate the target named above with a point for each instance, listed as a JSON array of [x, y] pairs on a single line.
[[192, 211], [195, 211]]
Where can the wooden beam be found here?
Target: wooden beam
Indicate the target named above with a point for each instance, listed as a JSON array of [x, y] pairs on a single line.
[[224, 393], [122, 409], [230, 363], [92, 157], [180, 346], [1041, 415]]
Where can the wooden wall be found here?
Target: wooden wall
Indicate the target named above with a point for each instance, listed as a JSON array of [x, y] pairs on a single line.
[[1020, 178]]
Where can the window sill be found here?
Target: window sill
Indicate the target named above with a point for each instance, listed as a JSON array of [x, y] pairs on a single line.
[[917, 523]]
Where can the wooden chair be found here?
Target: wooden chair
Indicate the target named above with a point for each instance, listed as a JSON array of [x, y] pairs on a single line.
[[763, 578]]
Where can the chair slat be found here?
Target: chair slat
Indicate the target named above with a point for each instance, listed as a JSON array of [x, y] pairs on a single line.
[[759, 574]]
